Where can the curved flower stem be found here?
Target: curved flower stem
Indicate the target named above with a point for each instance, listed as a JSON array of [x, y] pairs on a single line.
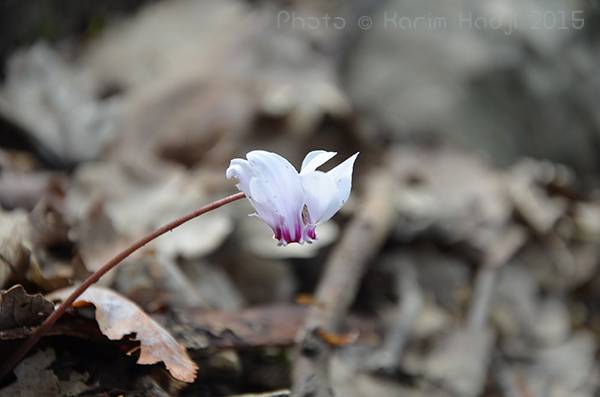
[[56, 314]]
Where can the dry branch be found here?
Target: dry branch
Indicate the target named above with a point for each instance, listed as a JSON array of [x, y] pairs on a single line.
[[386, 360], [338, 286]]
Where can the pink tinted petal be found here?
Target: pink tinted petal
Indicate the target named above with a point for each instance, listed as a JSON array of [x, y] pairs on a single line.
[[298, 231], [275, 200], [277, 231], [286, 236], [290, 203], [309, 233]]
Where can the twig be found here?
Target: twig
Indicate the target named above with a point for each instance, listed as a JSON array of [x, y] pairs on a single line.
[[386, 360], [512, 240], [337, 288], [485, 283], [471, 345], [16, 357]]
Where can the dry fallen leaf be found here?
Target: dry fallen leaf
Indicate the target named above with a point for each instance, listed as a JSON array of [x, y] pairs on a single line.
[[14, 255], [450, 195], [136, 201], [18, 308], [526, 188], [22, 257], [117, 317], [472, 348], [97, 241], [24, 189], [36, 379], [55, 103]]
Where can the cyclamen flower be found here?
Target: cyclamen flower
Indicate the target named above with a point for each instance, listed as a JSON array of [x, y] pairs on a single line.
[[293, 203]]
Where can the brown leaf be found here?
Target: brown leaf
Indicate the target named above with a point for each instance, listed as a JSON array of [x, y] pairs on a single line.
[[97, 240], [251, 328], [18, 308], [117, 317], [21, 255], [48, 225]]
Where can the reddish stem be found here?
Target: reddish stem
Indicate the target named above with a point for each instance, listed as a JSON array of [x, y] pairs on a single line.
[[56, 314]]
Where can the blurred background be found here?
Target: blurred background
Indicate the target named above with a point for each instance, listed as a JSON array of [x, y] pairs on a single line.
[[117, 116]]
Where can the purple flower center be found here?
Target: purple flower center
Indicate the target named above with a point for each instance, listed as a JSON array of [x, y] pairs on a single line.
[[286, 235]]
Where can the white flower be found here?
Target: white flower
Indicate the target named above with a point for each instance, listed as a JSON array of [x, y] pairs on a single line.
[[293, 203]]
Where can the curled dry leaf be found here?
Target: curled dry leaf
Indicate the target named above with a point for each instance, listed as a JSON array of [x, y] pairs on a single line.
[[18, 308], [117, 317]]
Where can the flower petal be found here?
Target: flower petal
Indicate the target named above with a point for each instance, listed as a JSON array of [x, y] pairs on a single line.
[[342, 176], [293, 203], [264, 205], [278, 176], [240, 169], [315, 159], [321, 194], [277, 192]]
